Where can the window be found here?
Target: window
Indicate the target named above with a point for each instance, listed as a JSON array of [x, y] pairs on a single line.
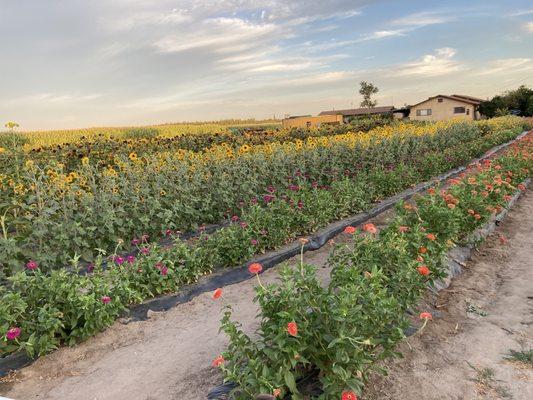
[[468, 111], [440, 100], [423, 112], [458, 110]]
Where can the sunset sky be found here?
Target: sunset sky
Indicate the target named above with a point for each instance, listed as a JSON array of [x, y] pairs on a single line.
[[79, 63]]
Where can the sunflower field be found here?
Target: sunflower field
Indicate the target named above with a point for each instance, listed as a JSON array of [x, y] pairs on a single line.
[[79, 200]]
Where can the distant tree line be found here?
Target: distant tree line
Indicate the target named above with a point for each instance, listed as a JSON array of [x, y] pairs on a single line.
[[518, 102]]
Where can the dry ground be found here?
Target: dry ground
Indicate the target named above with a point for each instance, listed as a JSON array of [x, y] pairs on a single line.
[[169, 356]]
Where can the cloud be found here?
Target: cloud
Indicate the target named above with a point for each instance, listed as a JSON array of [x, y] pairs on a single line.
[[423, 19], [508, 66], [520, 13], [430, 65], [221, 34], [528, 26]]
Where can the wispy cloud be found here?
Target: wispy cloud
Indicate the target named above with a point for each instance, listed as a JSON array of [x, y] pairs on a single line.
[[519, 13], [424, 18], [440, 63], [508, 66]]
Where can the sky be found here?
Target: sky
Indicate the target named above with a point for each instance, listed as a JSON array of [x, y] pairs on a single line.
[[81, 63]]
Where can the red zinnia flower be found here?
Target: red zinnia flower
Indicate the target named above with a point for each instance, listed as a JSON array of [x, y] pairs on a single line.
[[423, 270], [217, 293], [370, 228], [350, 230], [218, 361], [348, 396], [426, 315], [431, 236], [13, 333], [292, 328], [431, 190], [422, 250], [106, 299], [255, 268]]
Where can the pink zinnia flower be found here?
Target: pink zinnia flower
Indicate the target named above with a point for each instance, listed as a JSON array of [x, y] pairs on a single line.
[[135, 242], [235, 218], [164, 271], [119, 260], [145, 250], [130, 259], [106, 299], [254, 242], [13, 333], [403, 229], [32, 265]]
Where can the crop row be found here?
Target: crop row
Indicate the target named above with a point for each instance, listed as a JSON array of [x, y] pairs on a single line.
[[51, 217], [57, 307], [338, 334], [103, 148]]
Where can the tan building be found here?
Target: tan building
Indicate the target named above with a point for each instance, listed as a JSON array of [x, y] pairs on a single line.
[[442, 107], [312, 122]]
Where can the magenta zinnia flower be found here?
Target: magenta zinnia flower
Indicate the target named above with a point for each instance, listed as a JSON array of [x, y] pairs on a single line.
[[119, 260], [106, 299], [32, 265], [130, 259], [164, 271], [13, 333], [145, 250]]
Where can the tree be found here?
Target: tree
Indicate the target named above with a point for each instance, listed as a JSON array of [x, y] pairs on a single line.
[[519, 100], [11, 125], [367, 90]]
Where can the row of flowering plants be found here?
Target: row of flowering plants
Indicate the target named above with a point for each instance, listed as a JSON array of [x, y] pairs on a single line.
[[48, 308], [338, 333], [50, 214]]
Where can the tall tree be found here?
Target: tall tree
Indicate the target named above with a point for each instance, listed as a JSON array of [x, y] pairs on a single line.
[[367, 90]]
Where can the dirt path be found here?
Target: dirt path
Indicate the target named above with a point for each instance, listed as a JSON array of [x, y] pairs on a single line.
[[485, 313], [169, 356]]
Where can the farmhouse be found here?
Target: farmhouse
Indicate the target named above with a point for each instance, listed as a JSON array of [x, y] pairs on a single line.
[[443, 107]]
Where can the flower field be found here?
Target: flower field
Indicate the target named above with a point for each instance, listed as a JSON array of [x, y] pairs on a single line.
[[55, 213], [54, 210], [339, 333]]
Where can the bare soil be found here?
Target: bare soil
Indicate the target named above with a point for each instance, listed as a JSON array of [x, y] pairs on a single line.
[[169, 356]]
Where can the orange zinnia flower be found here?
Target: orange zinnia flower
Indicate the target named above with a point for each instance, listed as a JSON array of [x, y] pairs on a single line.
[[370, 228], [218, 361], [423, 270], [431, 236], [350, 230], [292, 328], [426, 315], [422, 250], [255, 268]]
